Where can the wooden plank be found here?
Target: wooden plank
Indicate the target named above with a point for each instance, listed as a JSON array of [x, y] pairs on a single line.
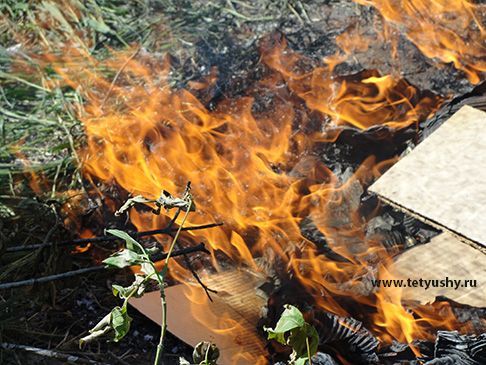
[[229, 321], [443, 257], [442, 181]]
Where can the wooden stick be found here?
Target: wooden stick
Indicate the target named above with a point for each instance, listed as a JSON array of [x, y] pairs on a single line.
[[45, 279], [108, 238], [68, 358]]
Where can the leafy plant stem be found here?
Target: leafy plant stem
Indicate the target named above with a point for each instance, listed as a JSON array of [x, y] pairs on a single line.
[[308, 350], [163, 301]]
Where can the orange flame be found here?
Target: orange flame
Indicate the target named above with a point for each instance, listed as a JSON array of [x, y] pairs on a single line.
[[251, 168], [362, 101], [450, 31], [85, 233]]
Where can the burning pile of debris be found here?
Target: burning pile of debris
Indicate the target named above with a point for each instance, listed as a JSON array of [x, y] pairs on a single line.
[[439, 257], [351, 240], [294, 146]]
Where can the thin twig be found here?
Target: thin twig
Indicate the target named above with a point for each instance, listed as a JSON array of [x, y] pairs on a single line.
[[49, 278], [308, 350], [112, 85], [108, 238], [118, 359], [172, 221], [45, 279], [68, 358], [207, 290]]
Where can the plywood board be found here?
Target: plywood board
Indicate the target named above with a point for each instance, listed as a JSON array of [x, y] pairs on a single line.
[[443, 180], [443, 257], [229, 321]]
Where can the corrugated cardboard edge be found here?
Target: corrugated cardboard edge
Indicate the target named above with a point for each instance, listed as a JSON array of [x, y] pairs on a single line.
[[458, 236], [383, 187], [194, 320], [443, 257]]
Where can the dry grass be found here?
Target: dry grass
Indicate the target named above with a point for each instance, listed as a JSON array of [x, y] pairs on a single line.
[[39, 137]]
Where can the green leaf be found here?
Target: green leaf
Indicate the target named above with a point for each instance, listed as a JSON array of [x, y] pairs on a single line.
[[124, 258], [119, 290], [299, 336], [102, 324], [297, 340], [130, 242], [277, 336], [124, 292], [291, 318], [301, 361], [101, 328], [149, 270], [120, 322], [293, 331]]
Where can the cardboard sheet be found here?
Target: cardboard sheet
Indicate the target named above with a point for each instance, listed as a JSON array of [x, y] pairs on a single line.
[[443, 180], [444, 257], [191, 316]]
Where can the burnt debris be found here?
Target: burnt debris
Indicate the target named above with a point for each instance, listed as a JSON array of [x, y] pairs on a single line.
[[346, 336], [345, 340], [454, 348]]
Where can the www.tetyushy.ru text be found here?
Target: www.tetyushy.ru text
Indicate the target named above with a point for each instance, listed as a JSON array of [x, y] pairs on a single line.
[[425, 283]]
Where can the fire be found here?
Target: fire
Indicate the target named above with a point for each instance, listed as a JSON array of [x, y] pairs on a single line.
[[391, 315], [85, 233], [450, 31], [253, 160], [250, 167], [362, 100], [246, 166]]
